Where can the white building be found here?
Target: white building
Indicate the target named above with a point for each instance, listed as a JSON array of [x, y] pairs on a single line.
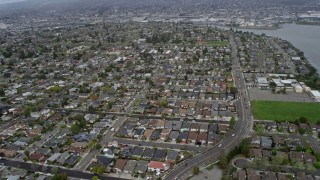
[[315, 95]]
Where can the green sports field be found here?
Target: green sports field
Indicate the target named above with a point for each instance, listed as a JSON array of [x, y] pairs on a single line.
[[285, 111]]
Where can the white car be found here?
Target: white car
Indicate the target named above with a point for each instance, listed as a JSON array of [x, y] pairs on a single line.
[[220, 145], [232, 135]]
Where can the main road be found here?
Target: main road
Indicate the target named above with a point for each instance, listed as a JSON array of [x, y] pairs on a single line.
[[233, 138]]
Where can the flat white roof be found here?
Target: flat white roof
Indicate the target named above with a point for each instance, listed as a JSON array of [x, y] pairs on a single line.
[[262, 80], [315, 93]]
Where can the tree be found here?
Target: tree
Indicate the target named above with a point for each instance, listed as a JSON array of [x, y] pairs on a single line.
[[75, 129], [272, 84], [98, 169], [2, 93], [60, 177], [205, 51], [317, 165], [109, 105], [95, 178], [196, 170], [54, 170], [55, 89], [234, 91], [37, 138], [223, 161], [303, 119], [164, 103], [91, 109], [232, 122], [277, 160], [301, 131], [98, 146], [26, 152]]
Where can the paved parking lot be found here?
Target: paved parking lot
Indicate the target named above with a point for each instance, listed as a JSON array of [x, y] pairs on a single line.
[[213, 174], [257, 94]]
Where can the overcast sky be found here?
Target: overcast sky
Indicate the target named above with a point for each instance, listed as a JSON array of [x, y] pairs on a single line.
[[9, 1]]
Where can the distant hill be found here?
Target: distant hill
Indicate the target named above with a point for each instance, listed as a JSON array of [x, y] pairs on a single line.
[[62, 5]]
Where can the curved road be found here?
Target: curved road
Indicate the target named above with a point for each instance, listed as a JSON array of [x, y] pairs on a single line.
[[234, 137]]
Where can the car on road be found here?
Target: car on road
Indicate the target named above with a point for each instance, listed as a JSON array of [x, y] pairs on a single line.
[[220, 145], [232, 135]]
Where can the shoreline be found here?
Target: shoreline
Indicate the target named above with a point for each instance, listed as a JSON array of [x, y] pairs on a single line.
[[281, 26]]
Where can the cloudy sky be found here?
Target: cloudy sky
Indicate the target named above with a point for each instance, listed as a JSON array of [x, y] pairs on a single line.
[[9, 1]]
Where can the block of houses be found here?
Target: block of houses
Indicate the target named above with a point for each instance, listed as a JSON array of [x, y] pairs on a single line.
[[129, 167], [309, 158], [141, 167], [173, 136], [213, 127], [270, 175], [266, 142], [293, 128], [164, 134], [138, 133], [156, 166], [174, 125], [105, 161], [202, 138], [137, 152], [80, 145], [147, 133], [155, 134], [213, 138], [222, 128], [8, 152], [255, 141], [153, 123], [159, 154], [255, 153], [54, 157], [72, 160], [304, 126], [160, 124], [183, 136], [37, 157], [203, 127], [194, 127], [278, 141], [63, 157], [185, 127], [267, 154], [172, 156], [148, 153], [192, 137], [119, 165], [252, 174], [296, 156], [241, 175]]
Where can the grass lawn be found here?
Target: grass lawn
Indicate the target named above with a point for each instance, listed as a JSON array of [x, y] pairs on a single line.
[[217, 43], [285, 111]]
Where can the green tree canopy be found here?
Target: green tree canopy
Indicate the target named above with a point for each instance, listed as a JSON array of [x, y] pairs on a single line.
[[196, 170]]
